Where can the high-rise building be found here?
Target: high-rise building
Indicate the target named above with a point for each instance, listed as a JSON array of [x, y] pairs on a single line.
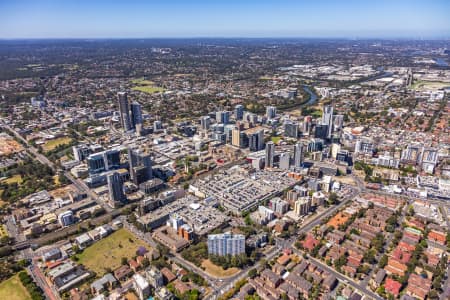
[[205, 122], [315, 145], [239, 112], [302, 206], [239, 138], [226, 244], [284, 161], [124, 111], [321, 131], [278, 205], [157, 125], [103, 161], [80, 152], [270, 154], [228, 130], [256, 140], [338, 122], [136, 115], [307, 123], [271, 112], [115, 188], [290, 129], [223, 117], [327, 119], [298, 155], [140, 163]]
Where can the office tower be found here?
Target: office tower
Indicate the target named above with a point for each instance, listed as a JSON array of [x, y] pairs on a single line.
[[284, 161], [66, 218], [226, 244], [290, 129], [223, 117], [270, 153], [271, 112], [157, 125], [321, 131], [205, 122], [298, 155], [235, 137], [103, 161], [307, 123], [136, 115], [80, 152], [140, 165], [256, 140], [302, 206], [239, 138], [327, 119], [124, 111], [228, 130], [252, 118], [115, 188], [239, 112], [338, 122], [315, 145], [112, 159], [343, 155]]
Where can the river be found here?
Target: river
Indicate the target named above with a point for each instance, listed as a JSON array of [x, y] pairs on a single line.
[[312, 96]]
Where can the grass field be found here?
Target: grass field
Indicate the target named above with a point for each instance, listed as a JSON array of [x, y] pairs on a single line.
[[276, 139], [146, 86], [14, 179], [52, 144], [109, 251], [12, 289], [149, 89], [432, 85], [218, 271]]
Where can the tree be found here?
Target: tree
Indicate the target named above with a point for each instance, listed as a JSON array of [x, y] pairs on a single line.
[[333, 198], [383, 261], [252, 273]]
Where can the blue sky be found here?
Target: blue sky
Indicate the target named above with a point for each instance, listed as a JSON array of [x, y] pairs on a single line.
[[230, 18]]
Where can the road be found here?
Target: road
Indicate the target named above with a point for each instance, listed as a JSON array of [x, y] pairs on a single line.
[[340, 276], [39, 278]]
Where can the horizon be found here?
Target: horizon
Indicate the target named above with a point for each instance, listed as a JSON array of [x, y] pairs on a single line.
[[175, 19]]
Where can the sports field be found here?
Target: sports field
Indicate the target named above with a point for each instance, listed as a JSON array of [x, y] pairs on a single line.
[[421, 85], [12, 289], [146, 86], [109, 251]]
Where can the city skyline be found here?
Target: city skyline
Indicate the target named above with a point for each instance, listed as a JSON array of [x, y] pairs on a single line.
[[254, 19]]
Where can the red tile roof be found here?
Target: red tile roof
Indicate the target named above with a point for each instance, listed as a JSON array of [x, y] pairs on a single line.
[[392, 286]]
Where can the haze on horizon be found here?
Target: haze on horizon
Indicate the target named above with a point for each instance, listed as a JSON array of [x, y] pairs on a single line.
[[232, 18]]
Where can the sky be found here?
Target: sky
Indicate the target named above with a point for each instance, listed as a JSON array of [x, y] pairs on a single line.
[[224, 18]]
